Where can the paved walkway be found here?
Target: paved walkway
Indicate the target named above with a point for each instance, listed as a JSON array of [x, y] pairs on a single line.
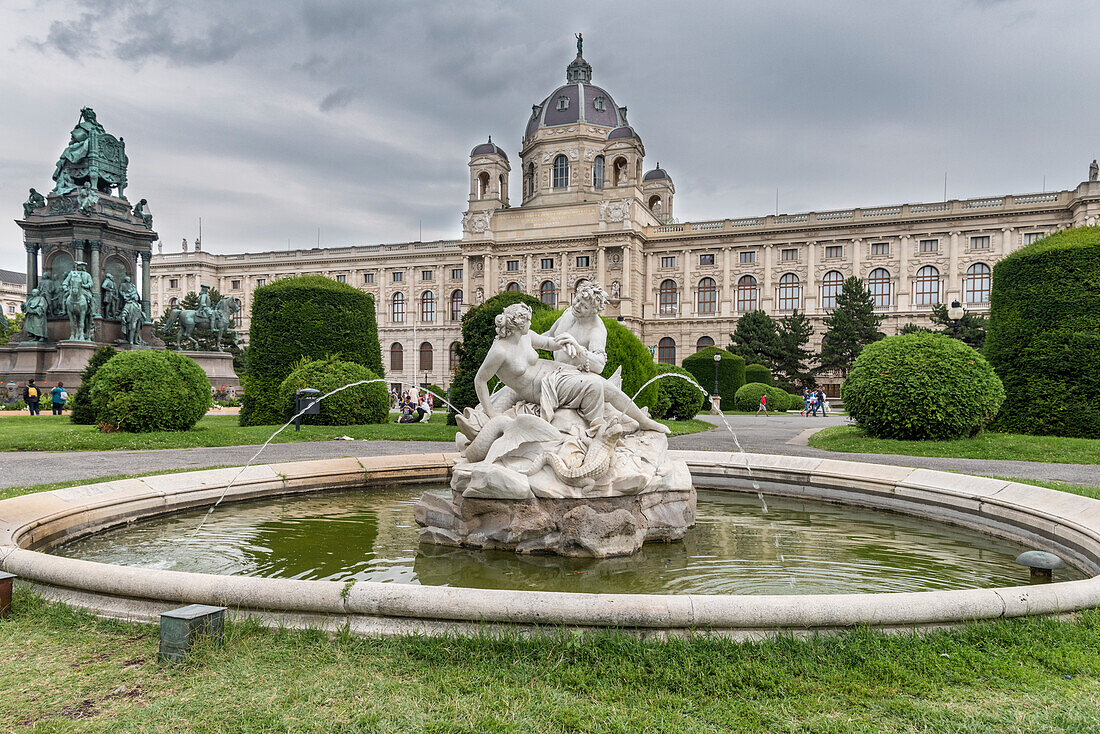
[[780, 434]]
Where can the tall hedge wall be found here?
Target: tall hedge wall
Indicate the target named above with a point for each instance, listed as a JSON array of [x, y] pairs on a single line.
[[478, 332], [623, 349], [1043, 338], [731, 372], [305, 316]]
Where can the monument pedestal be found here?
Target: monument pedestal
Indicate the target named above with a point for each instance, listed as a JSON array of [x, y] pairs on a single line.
[[72, 358], [218, 367]]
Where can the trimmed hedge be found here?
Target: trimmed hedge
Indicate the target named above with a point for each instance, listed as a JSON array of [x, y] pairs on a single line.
[[676, 398], [1043, 337], [478, 332], [623, 349], [748, 397], [305, 316], [83, 413], [921, 386], [758, 373], [146, 390], [794, 401], [354, 406], [731, 372]]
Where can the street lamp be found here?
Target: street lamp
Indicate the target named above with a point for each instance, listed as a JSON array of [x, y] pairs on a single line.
[[714, 395], [955, 312]]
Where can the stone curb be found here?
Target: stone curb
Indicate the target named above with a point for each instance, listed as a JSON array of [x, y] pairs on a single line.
[[1058, 522]]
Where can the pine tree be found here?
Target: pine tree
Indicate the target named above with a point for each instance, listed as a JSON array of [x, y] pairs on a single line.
[[756, 338], [849, 327], [793, 362]]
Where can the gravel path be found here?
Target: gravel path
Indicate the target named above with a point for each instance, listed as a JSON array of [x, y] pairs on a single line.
[[779, 434]]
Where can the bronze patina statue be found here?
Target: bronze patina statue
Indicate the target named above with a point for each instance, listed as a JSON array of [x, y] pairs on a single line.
[[78, 303], [132, 317], [34, 201], [108, 291], [35, 309], [87, 198], [94, 158], [51, 293]]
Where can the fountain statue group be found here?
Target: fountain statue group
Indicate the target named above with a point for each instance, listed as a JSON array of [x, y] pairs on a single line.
[[559, 460]]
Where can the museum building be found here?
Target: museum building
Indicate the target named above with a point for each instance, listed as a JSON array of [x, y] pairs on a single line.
[[589, 209]]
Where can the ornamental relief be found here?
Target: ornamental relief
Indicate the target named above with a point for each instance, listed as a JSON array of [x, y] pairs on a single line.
[[504, 280], [477, 222], [941, 263], [614, 210]]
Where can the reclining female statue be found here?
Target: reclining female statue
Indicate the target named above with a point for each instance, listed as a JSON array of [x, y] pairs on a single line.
[[550, 385]]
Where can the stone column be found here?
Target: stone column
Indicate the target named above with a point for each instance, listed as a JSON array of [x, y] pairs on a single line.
[[953, 271], [767, 298], [1006, 241], [725, 307], [32, 249], [810, 300], [97, 277], [687, 301], [901, 299], [146, 285], [601, 268], [564, 296], [625, 291], [530, 270]]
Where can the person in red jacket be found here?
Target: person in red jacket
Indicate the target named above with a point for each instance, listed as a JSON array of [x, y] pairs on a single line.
[[763, 405]]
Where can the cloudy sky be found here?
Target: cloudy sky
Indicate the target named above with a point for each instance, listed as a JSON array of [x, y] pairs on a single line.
[[272, 119]]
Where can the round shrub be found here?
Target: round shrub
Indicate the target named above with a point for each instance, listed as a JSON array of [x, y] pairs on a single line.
[[794, 401], [305, 316], [624, 350], [146, 390], [83, 413], [731, 372], [921, 386], [758, 373], [1043, 337], [353, 406], [677, 398], [748, 397]]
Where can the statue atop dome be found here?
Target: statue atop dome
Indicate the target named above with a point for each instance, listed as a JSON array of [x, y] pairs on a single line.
[[580, 43], [93, 156]]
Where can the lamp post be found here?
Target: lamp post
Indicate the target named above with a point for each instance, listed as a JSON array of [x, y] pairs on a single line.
[[955, 312], [714, 395]]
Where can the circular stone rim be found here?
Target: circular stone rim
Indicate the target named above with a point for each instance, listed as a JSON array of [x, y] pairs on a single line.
[[1065, 524]]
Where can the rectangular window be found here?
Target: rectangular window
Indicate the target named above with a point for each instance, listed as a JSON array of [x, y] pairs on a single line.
[[748, 257], [880, 248], [368, 278], [789, 254], [929, 245], [707, 259], [173, 283], [398, 277], [668, 261], [547, 263], [1028, 238], [426, 274], [260, 281], [979, 243], [341, 278], [582, 261], [834, 251], [235, 285], [456, 273], [511, 266]]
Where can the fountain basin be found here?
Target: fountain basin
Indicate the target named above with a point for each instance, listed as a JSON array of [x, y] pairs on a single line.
[[1064, 524]]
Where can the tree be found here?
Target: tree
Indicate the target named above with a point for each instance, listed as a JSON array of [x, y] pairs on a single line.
[[849, 327], [756, 339], [793, 361], [970, 329], [10, 326]]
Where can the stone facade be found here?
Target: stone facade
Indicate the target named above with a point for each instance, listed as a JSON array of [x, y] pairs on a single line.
[[13, 291], [588, 211]]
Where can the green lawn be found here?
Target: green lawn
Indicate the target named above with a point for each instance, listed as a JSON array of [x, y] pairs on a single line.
[[988, 445], [56, 433]]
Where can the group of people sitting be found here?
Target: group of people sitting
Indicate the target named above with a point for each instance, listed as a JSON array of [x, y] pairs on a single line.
[[411, 408], [813, 401]]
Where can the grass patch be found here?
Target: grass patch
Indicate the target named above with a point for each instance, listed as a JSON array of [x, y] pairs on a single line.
[[56, 433], [66, 671], [986, 445]]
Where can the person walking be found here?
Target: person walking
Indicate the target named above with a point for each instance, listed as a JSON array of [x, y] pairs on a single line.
[[763, 405], [805, 401], [824, 404], [31, 397], [58, 398], [813, 404]]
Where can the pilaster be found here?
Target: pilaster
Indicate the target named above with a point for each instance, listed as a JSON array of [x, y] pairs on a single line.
[[32, 249]]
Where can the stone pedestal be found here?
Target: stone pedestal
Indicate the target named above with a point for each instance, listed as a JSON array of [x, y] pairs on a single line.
[[20, 362], [72, 357], [218, 367]]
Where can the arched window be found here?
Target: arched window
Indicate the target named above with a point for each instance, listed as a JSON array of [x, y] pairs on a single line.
[[667, 298], [830, 288], [599, 172], [502, 189], [748, 294], [482, 185], [529, 180], [398, 310], [426, 357], [397, 357], [703, 343], [456, 306], [790, 292], [561, 172], [452, 357], [878, 282], [666, 350], [173, 302], [427, 307], [977, 283], [707, 296], [926, 287], [548, 293], [512, 287]]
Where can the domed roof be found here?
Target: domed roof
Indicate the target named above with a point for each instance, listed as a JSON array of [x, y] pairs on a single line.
[[488, 149], [577, 101], [656, 174], [623, 132]]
